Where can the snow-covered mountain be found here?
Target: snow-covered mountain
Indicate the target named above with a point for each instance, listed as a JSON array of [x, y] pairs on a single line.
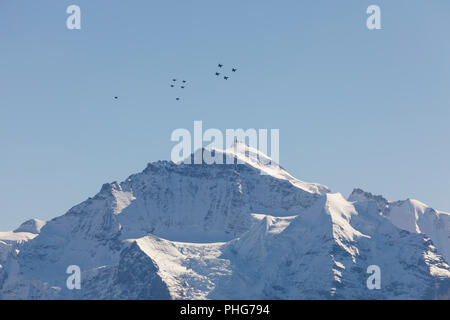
[[413, 216], [227, 231]]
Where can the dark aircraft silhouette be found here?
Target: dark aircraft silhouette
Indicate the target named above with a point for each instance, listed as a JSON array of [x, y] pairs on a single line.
[[234, 69], [178, 99], [116, 98], [217, 73], [182, 87], [184, 81], [220, 65], [226, 78], [174, 79], [172, 85]]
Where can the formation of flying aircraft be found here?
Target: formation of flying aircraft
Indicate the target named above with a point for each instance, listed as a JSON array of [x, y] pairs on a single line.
[[234, 69], [182, 86]]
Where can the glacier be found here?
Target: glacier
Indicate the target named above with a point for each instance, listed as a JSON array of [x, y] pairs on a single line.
[[245, 230]]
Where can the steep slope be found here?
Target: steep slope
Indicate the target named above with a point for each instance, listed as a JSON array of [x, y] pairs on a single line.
[[324, 254], [135, 277], [413, 216]]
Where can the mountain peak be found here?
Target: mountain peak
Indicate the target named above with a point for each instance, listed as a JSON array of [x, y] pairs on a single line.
[[242, 150], [31, 226], [361, 195]]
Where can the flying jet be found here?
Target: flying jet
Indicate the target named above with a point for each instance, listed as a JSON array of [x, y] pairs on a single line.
[[226, 78], [220, 65], [217, 73], [234, 69], [174, 79], [182, 87], [172, 85], [184, 81], [116, 98], [178, 99]]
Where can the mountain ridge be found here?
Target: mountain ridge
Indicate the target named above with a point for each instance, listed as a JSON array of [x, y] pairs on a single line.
[[229, 231]]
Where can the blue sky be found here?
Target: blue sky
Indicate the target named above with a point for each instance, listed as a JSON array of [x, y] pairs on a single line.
[[355, 108]]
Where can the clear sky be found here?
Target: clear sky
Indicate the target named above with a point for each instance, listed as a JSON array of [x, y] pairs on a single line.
[[355, 108]]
